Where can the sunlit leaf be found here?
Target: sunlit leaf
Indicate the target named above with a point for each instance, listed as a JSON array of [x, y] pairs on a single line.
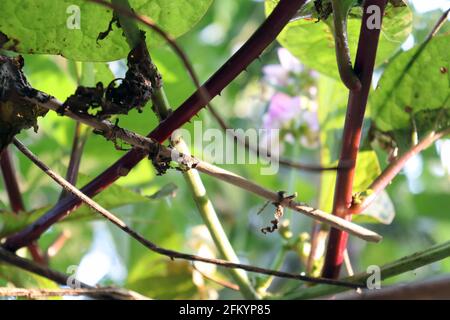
[[413, 93], [313, 42], [71, 27]]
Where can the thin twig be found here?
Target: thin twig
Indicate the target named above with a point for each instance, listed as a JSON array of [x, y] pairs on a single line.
[[264, 153], [152, 246], [79, 140], [220, 282], [93, 292]]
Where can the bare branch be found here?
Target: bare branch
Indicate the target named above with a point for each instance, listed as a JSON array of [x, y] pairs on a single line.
[[260, 152]]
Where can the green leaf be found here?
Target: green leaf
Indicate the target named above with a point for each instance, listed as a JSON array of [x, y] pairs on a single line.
[[313, 42], [414, 89], [47, 26], [433, 205], [11, 222]]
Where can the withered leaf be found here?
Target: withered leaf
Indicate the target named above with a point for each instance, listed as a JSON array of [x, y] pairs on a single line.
[[16, 112]]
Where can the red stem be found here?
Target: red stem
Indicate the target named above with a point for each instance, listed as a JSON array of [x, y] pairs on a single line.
[[250, 51], [364, 65], [10, 181]]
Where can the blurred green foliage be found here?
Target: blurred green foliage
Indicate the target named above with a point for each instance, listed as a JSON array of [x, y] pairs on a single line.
[[419, 195]]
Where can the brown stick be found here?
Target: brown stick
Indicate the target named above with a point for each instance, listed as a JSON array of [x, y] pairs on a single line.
[[93, 292]]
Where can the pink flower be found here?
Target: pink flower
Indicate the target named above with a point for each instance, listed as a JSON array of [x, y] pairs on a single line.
[[282, 109]]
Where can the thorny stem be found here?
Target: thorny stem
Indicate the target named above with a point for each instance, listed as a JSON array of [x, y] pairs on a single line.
[[152, 246], [58, 277], [364, 65], [113, 132], [192, 177]]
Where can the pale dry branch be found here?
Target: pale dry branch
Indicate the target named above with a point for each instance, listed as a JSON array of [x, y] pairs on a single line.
[[113, 132]]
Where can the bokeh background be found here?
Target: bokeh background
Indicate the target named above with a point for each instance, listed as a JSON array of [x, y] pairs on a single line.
[[418, 200]]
